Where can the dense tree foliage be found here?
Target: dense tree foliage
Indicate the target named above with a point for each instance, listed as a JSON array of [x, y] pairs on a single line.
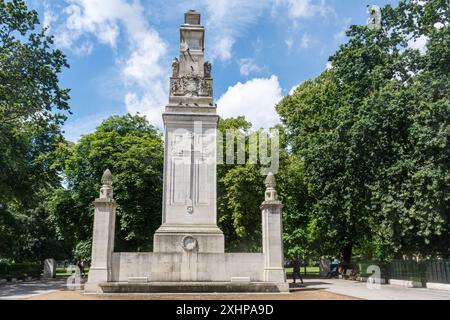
[[373, 133], [133, 150], [241, 192], [364, 157], [31, 113], [240, 189]]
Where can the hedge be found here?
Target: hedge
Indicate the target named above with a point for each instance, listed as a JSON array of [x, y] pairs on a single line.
[[20, 270]]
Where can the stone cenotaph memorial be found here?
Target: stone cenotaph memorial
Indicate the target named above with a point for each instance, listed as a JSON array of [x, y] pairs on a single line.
[[188, 250]]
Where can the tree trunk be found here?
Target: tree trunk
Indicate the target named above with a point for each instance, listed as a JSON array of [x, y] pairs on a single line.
[[346, 255]]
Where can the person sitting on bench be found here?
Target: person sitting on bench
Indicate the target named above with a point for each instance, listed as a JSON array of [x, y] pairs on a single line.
[[333, 273]]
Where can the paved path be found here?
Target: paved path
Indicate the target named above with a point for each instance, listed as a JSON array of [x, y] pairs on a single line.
[[386, 292], [28, 289], [320, 289]]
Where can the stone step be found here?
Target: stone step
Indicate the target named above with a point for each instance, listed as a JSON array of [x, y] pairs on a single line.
[[193, 287]]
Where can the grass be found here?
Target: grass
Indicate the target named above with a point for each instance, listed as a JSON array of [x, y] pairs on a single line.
[[309, 270], [64, 273]]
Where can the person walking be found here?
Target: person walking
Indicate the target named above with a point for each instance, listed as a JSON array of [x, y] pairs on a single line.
[[296, 268]]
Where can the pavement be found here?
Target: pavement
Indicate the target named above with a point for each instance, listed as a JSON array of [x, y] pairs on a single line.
[[28, 289], [312, 289], [385, 292]]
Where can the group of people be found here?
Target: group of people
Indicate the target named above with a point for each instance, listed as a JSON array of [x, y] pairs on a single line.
[[336, 270]]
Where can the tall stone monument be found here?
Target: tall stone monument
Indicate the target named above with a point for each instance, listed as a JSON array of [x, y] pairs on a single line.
[[190, 121], [188, 249]]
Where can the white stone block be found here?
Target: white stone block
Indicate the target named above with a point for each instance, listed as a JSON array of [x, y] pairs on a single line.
[[438, 286], [405, 283], [240, 279], [138, 279], [364, 279]]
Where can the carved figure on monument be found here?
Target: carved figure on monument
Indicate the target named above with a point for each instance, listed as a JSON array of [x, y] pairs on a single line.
[[175, 67], [207, 69]]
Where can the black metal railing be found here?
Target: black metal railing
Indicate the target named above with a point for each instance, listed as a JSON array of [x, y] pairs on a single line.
[[433, 270]]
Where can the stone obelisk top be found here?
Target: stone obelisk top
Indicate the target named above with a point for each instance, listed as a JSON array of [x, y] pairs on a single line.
[[191, 85]]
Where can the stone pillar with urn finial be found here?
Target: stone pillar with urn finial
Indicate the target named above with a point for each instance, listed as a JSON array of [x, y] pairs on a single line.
[[272, 230], [103, 236]]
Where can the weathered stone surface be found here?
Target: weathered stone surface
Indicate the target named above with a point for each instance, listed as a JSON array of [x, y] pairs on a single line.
[[324, 266], [49, 268], [188, 247], [192, 287], [103, 236], [190, 121], [187, 266], [272, 229]]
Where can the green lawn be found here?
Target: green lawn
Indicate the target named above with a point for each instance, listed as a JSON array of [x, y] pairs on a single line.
[[309, 270], [64, 273]]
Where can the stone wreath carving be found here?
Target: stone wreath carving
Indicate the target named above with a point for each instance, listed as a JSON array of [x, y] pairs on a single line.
[[189, 243]]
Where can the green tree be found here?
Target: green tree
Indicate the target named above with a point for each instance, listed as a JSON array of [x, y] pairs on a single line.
[[374, 134], [31, 113], [133, 150], [240, 191]]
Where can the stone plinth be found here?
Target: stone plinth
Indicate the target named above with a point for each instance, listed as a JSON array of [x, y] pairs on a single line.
[[49, 268], [272, 227], [324, 266], [103, 236], [193, 287]]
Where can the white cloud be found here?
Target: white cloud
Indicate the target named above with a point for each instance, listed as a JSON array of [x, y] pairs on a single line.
[[255, 99], [227, 20], [140, 104], [305, 41], [289, 43], [222, 48], [84, 49], [305, 8], [419, 43], [341, 34], [293, 89], [142, 66], [248, 66], [329, 65], [74, 129]]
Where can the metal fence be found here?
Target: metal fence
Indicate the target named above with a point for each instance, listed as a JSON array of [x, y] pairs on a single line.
[[435, 271], [404, 270]]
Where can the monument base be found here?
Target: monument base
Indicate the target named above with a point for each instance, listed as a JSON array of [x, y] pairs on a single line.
[[179, 238], [193, 287]]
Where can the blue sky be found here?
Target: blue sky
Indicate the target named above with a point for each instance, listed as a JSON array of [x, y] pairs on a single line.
[[120, 52]]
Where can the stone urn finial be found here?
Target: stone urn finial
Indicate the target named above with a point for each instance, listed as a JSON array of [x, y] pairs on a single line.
[[106, 191], [270, 181], [107, 178]]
